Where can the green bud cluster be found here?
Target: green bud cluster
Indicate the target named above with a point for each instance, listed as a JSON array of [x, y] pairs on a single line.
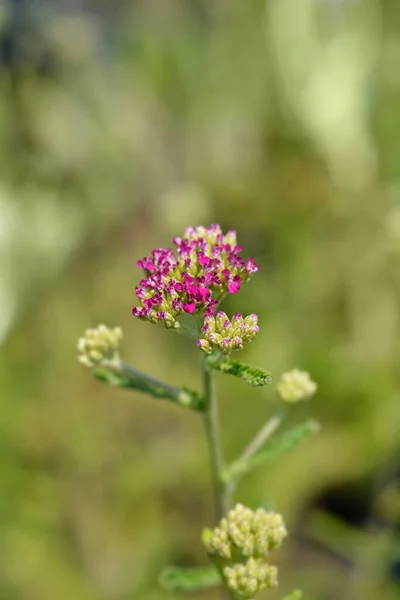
[[296, 385], [99, 346], [240, 543], [249, 578], [221, 333]]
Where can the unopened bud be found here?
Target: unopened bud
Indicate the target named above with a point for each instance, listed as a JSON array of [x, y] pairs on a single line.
[[99, 346], [296, 385]]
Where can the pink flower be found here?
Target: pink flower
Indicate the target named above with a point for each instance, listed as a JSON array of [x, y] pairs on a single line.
[[233, 287], [189, 307], [146, 264], [205, 266]]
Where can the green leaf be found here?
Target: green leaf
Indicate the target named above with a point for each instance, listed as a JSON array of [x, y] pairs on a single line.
[[130, 378], [253, 376], [285, 443], [189, 579]]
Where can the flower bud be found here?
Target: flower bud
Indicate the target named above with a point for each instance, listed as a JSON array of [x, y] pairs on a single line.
[[227, 335], [240, 543], [249, 578], [246, 533], [204, 345], [99, 346], [296, 385]]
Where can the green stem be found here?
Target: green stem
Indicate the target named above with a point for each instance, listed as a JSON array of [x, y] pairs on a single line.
[[256, 443], [221, 490], [137, 374], [262, 436], [213, 435], [121, 375]]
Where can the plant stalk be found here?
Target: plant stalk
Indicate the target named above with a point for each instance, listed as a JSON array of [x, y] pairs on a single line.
[[137, 374], [262, 436], [213, 435], [221, 491]]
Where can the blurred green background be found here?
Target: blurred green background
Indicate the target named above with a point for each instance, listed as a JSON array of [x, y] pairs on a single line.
[[121, 123]]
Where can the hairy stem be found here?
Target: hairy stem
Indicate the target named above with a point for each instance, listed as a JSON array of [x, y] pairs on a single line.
[[136, 373], [213, 435]]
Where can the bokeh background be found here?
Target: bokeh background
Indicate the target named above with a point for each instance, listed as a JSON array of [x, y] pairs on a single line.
[[121, 123]]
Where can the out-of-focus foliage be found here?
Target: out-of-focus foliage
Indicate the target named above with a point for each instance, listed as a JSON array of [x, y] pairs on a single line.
[[121, 123]]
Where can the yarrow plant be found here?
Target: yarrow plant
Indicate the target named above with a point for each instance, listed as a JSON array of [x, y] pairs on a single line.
[[193, 279]]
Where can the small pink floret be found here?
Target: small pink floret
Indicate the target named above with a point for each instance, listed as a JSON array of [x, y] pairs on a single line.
[[226, 273], [205, 294], [146, 263], [233, 287], [189, 307], [251, 266], [205, 261]]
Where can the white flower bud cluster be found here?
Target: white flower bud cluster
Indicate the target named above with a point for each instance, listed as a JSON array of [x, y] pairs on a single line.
[[226, 335], [246, 533], [296, 385], [99, 346], [241, 543], [249, 578]]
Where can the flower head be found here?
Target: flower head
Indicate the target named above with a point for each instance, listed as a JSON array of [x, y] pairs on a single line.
[[99, 346], [246, 533], [240, 544], [296, 385], [205, 266], [221, 333], [249, 578]]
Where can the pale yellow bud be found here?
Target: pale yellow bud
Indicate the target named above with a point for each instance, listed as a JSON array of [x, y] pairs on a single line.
[[230, 238], [247, 533], [226, 335], [99, 346], [296, 385], [249, 578]]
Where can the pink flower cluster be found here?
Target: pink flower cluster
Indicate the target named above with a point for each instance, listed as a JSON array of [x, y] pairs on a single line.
[[205, 267]]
